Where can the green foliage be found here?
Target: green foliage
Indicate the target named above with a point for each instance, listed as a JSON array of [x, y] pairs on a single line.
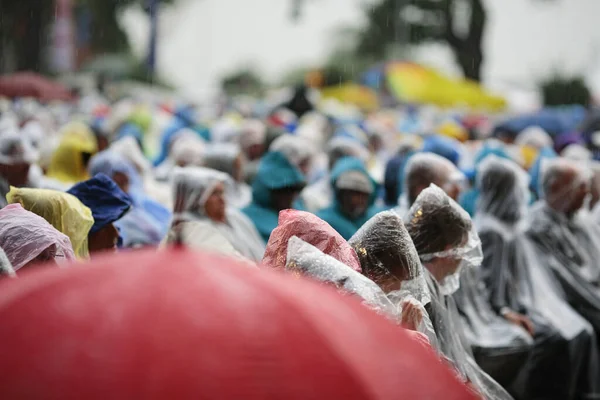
[[560, 90]]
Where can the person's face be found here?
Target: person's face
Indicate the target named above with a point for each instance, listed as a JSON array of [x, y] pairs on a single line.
[[305, 166], [15, 174], [255, 151], [352, 203], [122, 180], [440, 268], [102, 143], [215, 204], [284, 199], [104, 240]]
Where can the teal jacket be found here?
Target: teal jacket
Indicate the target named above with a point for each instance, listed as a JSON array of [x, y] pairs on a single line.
[[333, 215], [274, 172]]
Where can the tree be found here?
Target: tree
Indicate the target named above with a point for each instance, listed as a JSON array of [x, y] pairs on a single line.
[[244, 81]]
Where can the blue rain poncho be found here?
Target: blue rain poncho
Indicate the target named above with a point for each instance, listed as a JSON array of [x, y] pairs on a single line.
[[106, 200], [274, 172], [183, 118], [442, 146], [345, 225], [148, 221]]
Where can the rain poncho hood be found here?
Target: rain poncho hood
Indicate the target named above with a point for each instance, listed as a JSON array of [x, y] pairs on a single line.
[[223, 157], [67, 164], [444, 147], [274, 172], [307, 260], [62, 210], [345, 225], [106, 200], [312, 230], [25, 235], [296, 149]]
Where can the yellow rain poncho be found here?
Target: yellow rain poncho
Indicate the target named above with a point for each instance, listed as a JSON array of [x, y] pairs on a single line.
[[63, 211], [68, 161]]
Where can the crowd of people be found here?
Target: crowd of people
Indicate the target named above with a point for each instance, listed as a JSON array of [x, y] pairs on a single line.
[[483, 243]]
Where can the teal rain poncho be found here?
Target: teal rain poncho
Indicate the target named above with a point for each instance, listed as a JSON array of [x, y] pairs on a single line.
[[333, 215], [274, 173]]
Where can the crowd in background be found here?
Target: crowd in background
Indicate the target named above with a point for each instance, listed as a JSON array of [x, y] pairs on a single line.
[[478, 233]]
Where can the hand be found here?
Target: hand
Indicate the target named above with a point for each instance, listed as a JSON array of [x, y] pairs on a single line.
[[412, 314], [521, 320]]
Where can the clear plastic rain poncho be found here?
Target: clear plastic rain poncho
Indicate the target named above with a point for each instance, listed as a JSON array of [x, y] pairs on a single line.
[[307, 260], [447, 244], [423, 169], [389, 258], [229, 158], [26, 237], [77, 145], [297, 150], [313, 231], [16, 157], [62, 210], [535, 137], [192, 188], [519, 279]]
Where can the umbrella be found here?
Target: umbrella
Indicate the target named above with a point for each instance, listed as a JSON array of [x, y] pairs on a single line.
[[184, 325], [28, 84]]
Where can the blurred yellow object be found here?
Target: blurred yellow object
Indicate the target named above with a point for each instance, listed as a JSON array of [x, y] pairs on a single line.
[[453, 130], [68, 164], [414, 83], [529, 155], [62, 210], [351, 93]]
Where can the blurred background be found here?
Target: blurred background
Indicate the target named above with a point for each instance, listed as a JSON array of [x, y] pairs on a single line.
[[201, 47]]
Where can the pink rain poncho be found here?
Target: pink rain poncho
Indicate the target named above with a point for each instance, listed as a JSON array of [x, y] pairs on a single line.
[[25, 236], [314, 231]]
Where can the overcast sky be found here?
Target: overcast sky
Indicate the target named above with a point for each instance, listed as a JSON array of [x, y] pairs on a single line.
[[201, 40]]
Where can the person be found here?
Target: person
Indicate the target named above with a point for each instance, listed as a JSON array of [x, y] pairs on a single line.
[[389, 258], [29, 240], [298, 151], [63, 211], [568, 244], [444, 238], [275, 188], [300, 102], [319, 194], [185, 148], [518, 281], [229, 158], [16, 158], [394, 174], [199, 195], [312, 230], [354, 199], [108, 204], [148, 221], [252, 141], [69, 161]]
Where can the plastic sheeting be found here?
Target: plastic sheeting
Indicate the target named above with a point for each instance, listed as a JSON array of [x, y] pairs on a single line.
[[26, 237], [62, 210], [518, 278], [307, 260], [313, 231], [298, 150], [228, 158], [6, 268], [68, 163], [192, 188]]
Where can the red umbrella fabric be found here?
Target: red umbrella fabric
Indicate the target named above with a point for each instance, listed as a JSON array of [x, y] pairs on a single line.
[[28, 84], [185, 325]]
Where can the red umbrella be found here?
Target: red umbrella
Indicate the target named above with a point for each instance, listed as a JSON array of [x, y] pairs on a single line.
[[184, 325], [28, 84]]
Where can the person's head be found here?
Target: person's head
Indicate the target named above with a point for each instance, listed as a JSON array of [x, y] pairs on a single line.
[[595, 186], [312, 230], [63, 211], [503, 189], [564, 185], [277, 182], [29, 240], [70, 160], [16, 157], [386, 252], [443, 235], [353, 187], [115, 166], [424, 169], [108, 204], [341, 147], [252, 139], [199, 193], [227, 158], [297, 150], [187, 150]]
